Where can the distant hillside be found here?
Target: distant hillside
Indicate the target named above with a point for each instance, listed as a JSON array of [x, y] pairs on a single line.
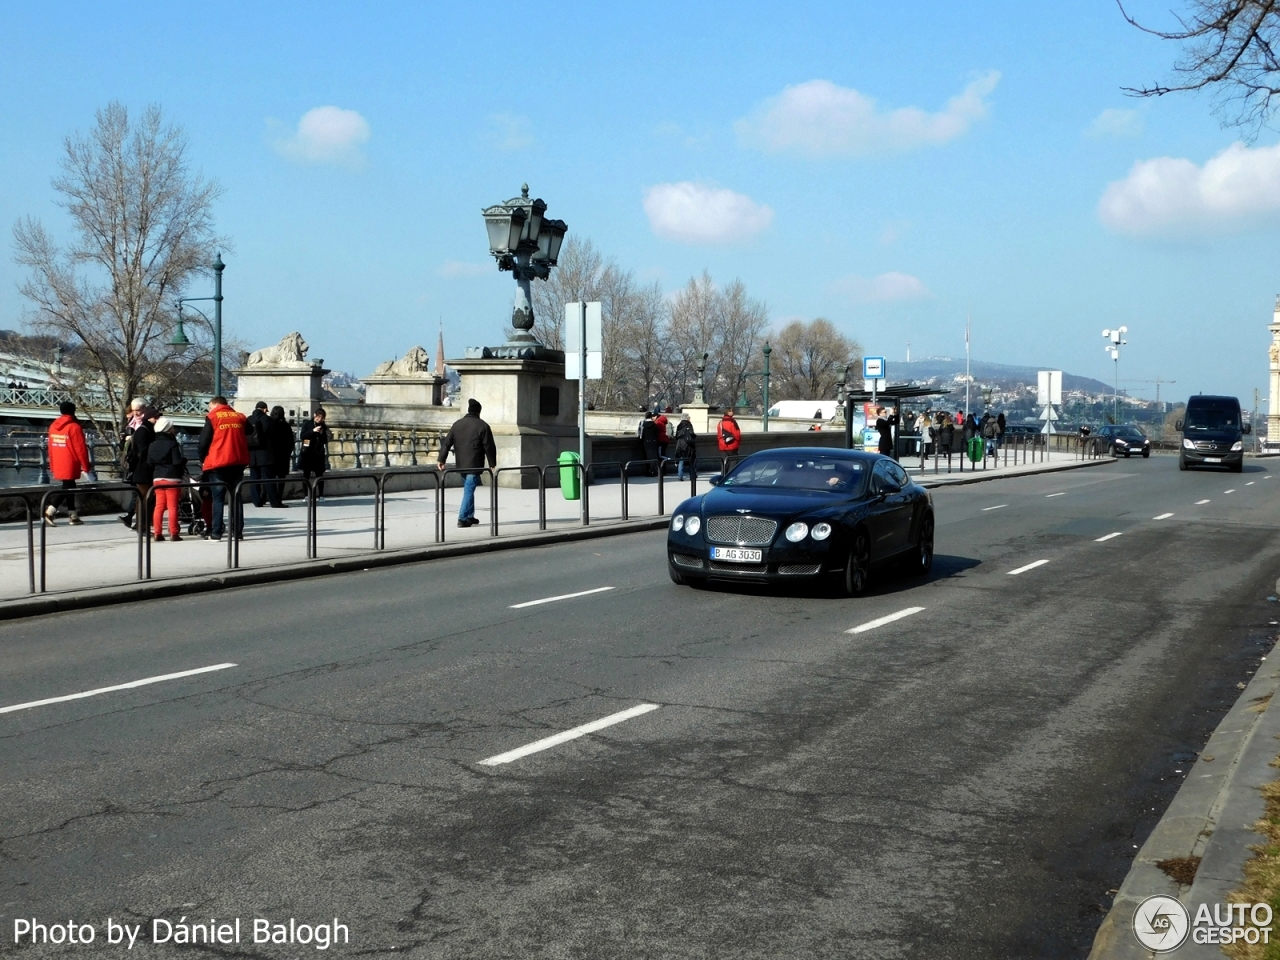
[[1007, 374]]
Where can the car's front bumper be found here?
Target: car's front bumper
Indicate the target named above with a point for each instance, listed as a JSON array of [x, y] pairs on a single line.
[[774, 566], [1199, 458]]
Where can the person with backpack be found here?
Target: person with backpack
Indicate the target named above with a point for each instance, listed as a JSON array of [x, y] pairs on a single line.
[[169, 471], [728, 434], [990, 430], [257, 434], [686, 446]]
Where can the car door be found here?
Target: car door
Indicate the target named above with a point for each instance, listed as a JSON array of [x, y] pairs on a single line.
[[890, 510]]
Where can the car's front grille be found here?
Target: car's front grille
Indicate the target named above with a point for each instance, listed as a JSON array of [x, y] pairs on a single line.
[[741, 530], [683, 560], [799, 569], [1208, 446], [755, 568]]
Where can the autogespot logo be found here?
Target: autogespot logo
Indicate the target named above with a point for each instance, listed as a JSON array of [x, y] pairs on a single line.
[[1161, 923]]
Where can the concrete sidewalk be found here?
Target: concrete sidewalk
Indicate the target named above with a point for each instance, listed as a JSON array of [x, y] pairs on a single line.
[[104, 553]]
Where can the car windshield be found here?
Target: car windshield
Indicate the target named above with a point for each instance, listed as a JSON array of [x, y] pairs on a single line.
[[1212, 418], [1133, 432], [797, 473]]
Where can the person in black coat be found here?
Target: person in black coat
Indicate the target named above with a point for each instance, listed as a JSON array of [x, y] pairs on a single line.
[[471, 440], [257, 433], [649, 436], [885, 422], [280, 445], [313, 458], [686, 446]]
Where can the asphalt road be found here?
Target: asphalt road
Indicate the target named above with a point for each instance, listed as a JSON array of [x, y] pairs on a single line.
[[966, 781]]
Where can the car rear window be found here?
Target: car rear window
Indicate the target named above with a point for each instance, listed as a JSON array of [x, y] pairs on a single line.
[[797, 473]]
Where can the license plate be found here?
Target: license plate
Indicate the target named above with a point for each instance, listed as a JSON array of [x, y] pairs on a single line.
[[737, 554], [1212, 459]]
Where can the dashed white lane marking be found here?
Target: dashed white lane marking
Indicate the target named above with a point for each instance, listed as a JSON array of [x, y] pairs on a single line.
[[1163, 516], [568, 735], [1029, 566], [563, 596], [998, 506], [119, 686], [1109, 536], [1198, 502], [1249, 484], [872, 624], [1062, 494], [1232, 490]]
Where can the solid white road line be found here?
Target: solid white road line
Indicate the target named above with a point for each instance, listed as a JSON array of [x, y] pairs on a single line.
[[563, 596], [1198, 502], [1107, 537], [568, 735], [1029, 566], [999, 506], [120, 686], [872, 624], [1163, 516], [1062, 494]]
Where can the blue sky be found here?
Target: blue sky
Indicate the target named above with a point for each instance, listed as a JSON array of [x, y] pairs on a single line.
[[891, 171]]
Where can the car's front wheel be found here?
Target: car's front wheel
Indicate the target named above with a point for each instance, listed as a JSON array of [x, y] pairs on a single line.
[[854, 579], [1182, 462], [1146, 454], [676, 578], [924, 547]]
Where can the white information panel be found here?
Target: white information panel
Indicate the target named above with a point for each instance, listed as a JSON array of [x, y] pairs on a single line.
[[573, 323]]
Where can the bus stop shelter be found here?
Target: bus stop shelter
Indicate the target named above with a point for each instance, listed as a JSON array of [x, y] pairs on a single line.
[[891, 396]]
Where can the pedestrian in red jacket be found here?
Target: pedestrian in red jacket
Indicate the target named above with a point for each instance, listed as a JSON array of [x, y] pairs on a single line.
[[729, 434], [68, 460], [224, 453]]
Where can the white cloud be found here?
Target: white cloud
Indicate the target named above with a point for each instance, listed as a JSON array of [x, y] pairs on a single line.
[[327, 135], [696, 213], [511, 132], [889, 287], [1237, 189], [1115, 123], [820, 119], [453, 269]]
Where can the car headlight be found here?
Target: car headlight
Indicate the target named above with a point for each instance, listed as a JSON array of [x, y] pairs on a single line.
[[821, 531], [1237, 446], [692, 525], [1187, 444], [797, 531], [1121, 443], [677, 522]]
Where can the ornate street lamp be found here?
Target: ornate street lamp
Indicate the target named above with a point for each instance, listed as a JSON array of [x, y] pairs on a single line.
[[525, 242], [180, 335]]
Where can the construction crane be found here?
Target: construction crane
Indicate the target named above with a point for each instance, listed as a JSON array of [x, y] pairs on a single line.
[[1157, 381]]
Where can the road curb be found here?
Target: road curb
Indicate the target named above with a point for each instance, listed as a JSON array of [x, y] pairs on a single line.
[[1211, 817], [983, 476], [42, 604]]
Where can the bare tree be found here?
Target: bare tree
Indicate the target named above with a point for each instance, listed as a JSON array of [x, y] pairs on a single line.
[[1230, 46], [695, 329], [144, 230], [808, 359], [580, 274], [743, 322]]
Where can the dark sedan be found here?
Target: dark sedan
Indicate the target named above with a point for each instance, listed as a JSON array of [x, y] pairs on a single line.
[[1123, 440], [803, 513]]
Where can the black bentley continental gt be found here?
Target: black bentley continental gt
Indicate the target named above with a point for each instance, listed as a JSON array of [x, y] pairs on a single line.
[[803, 513]]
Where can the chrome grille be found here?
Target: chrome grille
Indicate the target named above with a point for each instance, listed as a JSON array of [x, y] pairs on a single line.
[[739, 568], [799, 569], [1208, 446], [745, 531]]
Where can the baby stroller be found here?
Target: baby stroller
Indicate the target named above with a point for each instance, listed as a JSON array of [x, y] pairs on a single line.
[[190, 512]]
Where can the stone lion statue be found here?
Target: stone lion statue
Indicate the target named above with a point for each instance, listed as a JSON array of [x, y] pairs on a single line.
[[1275, 352], [291, 351], [413, 364]]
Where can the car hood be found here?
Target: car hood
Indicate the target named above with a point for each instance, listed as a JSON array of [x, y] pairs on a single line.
[[771, 502]]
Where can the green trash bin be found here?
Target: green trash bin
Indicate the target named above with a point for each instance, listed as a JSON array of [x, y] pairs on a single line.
[[975, 449], [570, 480]]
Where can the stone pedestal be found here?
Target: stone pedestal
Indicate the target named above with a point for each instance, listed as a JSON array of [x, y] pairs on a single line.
[[296, 387], [530, 406], [703, 417], [1273, 408], [420, 391]]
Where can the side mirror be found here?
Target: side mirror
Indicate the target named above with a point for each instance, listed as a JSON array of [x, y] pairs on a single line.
[[1177, 424], [1247, 428], [715, 479]]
